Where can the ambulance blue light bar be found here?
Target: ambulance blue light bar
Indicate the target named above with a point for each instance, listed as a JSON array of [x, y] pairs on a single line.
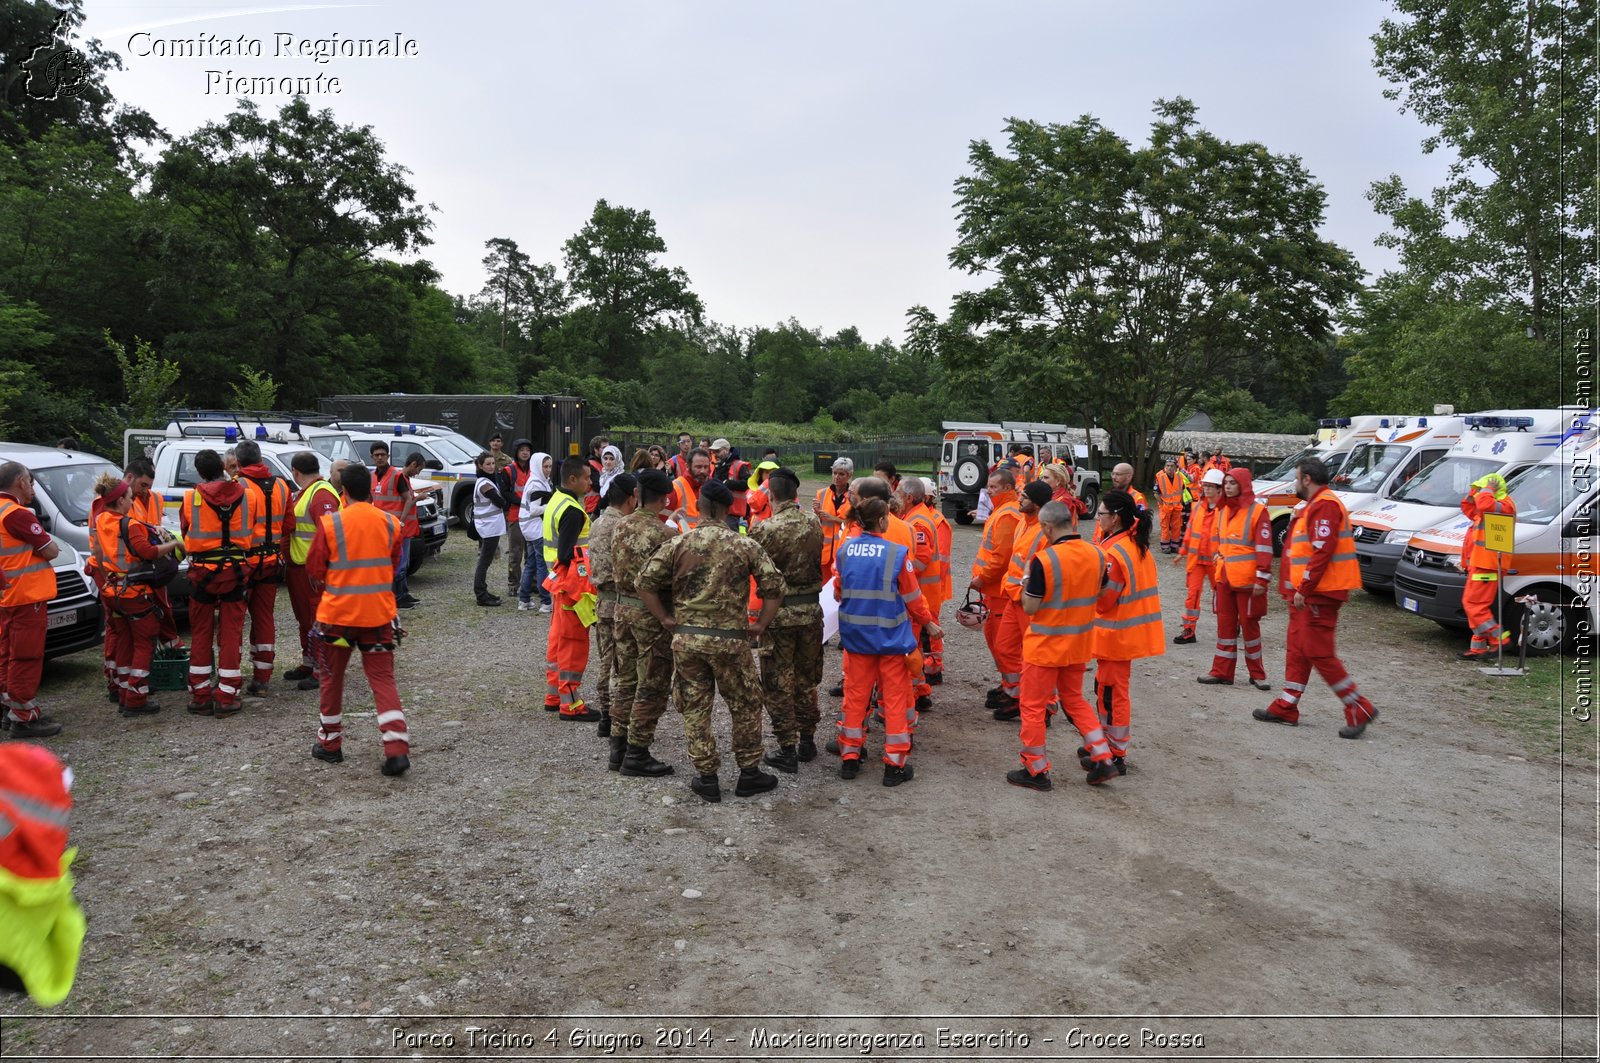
[[1521, 424], [261, 431], [1334, 422]]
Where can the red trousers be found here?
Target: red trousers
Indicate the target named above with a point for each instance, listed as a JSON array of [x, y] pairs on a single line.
[[304, 601], [1003, 632], [1197, 578], [166, 620], [132, 627], [263, 599], [22, 630], [892, 675], [566, 656], [1115, 704], [1478, 599], [1311, 645], [1171, 525], [226, 621], [1239, 616], [377, 661], [1043, 687]]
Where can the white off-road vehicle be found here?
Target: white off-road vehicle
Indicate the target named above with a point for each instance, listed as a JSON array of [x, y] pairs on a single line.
[[970, 449]]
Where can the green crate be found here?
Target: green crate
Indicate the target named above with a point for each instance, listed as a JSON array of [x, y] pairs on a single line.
[[170, 670]]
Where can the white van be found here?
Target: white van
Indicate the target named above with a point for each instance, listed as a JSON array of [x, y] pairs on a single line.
[[1553, 561], [444, 461], [1503, 441], [1338, 437], [1375, 470]]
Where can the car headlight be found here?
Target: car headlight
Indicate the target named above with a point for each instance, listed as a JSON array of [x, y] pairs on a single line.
[[1399, 537]]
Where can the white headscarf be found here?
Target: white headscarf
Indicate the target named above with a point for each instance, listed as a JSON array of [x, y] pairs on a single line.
[[538, 483], [607, 477]]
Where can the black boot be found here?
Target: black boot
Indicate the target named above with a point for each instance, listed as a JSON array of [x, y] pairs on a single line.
[[786, 759], [807, 749], [708, 788], [754, 781], [893, 776], [619, 749], [640, 764], [396, 765], [603, 728]]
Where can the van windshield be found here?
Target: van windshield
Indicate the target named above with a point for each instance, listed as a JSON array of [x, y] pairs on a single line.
[[1445, 483], [333, 447], [1370, 465], [449, 452], [71, 487], [1543, 491], [1285, 471]]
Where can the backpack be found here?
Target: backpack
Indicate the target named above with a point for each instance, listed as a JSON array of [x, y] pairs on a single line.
[[157, 573]]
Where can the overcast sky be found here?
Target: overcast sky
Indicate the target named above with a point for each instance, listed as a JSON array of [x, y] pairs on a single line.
[[798, 158]]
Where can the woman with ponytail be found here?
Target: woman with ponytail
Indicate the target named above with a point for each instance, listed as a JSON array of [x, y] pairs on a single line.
[[1128, 622]]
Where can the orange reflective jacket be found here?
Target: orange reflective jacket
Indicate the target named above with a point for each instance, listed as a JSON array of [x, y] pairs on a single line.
[[1169, 488], [931, 576], [1026, 543], [1198, 544], [360, 583], [29, 578], [269, 501], [832, 535], [994, 552], [1062, 631], [1129, 623], [1344, 570], [1476, 557], [1244, 545]]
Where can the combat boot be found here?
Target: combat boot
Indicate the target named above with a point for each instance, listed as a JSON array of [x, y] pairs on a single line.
[[707, 787], [786, 759], [640, 764], [807, 749], [893, 776], [754, 781], [603, 728], [619, 749]]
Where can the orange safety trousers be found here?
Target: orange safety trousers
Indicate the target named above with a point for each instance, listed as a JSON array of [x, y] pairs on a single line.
[[1003, 632], [1197, 578], [892, 674], [1114, 704], [1044, 688], [565, 658], [1171, 525], [1478, 599]]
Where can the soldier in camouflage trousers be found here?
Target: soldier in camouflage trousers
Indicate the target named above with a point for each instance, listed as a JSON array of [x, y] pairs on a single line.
[[620, 500], [642, 671], [791, 650], [708, 572]]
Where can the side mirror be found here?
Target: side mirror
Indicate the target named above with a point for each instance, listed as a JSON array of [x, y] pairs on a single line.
[[1578, 527], [433, 463]]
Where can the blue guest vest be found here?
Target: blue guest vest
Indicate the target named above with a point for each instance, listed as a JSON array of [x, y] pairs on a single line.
[[872, 615]]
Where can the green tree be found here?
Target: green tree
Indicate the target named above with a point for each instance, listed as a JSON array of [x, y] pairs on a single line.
[[256, 391], [1126, 279], [612, 268], [1511, 90], [786, 361], [287, 218]]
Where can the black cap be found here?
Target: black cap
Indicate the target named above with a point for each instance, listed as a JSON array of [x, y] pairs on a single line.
[[655, 481], [1038, 492], [716, 492], [785, 474]]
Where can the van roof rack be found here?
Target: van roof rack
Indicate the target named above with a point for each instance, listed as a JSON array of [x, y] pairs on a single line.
[[246, 423]]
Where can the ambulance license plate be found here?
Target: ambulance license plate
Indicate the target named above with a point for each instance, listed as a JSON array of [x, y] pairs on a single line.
[[1411, 604], [66, 619]]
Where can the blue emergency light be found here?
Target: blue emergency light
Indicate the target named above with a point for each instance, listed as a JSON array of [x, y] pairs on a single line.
[[294, 425], [413, 429], [1334, 422], [1521, 424], [230, 435], [397, 430], [261, 431], [1422, 422]]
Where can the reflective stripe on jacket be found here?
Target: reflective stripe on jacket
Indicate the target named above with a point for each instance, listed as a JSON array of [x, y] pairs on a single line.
[[359, 590], [1061, 632]]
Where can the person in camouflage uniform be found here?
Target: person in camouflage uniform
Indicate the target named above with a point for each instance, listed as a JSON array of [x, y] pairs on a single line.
[[620, 501], [642, 671], [791, 650], [708, 570]]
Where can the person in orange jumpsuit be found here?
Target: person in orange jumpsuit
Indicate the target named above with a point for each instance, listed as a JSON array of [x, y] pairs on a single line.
[[1127, 625], [1059, 599], [932, 565], [1482, 566], [988, 579], [1025, 543], [565, 527], [832, 507], [132, 613], [1241, 571], [216, 522], [1198, 552], [1169, 503], [1317, 573], [271, 497]]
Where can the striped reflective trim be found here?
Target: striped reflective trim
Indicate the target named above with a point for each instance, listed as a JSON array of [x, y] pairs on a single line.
[[371, 562], [345, 591], [569, 677], [851, 732], [39, 566], [1011, 677], [870, 621], [1132, 621], [33, 808], [14, 551], [1061, 629]]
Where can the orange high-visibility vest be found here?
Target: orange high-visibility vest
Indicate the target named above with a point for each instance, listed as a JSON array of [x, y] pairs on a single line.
[[386, 496], [205, 541], [833, 537], [1138, 500], [360, 583], [115, 558], [29, 578], [1476, 557], [930, 577], [1028, 540], [1132, 628], [998, 533], [1198, 544], [688, 497], [148, 510], [945, 542], [1062, 631], [1344, 570], [1238, 560], [1169, 488], [267, 506]]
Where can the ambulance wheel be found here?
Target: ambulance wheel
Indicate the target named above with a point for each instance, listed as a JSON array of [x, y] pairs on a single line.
[[1280, 530], [1090, 497], [1551, 626], [419, 554], [461, 505]]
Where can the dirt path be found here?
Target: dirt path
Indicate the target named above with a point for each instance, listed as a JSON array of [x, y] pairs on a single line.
[[1239, 872]]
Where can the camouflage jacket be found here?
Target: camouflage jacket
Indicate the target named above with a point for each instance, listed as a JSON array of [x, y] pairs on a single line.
[[708, 570], [636, 539], [600, 558], [792, 537]]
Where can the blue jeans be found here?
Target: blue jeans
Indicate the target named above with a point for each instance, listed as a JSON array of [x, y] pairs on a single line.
[[402, 582], [534, 572]]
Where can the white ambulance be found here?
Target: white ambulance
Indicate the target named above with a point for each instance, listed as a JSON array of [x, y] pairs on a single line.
[[1338, 437], [1553, 563]]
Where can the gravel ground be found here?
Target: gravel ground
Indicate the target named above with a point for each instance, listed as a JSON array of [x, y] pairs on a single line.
[[1261, 891]]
